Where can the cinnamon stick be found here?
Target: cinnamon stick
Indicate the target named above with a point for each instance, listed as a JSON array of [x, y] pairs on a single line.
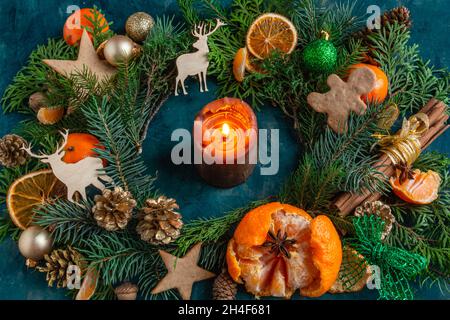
[[436, 111]]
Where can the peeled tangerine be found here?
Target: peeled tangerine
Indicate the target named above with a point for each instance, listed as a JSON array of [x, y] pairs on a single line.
[[277, 249], [423, 188]]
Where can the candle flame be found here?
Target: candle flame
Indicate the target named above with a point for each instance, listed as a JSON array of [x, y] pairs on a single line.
[[225, 129]]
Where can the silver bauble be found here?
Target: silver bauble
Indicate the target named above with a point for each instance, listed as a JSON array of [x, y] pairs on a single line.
[[120, 49], [139, 25], [35, 242]]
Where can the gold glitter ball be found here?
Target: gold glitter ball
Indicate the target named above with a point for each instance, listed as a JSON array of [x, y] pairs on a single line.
[[139, 25]]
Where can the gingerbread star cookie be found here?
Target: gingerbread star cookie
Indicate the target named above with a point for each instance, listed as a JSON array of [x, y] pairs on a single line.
[[343, 98]]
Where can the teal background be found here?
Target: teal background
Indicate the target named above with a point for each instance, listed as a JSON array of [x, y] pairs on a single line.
[[27, 23]]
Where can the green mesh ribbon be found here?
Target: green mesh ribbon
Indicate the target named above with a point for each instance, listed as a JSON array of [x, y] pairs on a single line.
[[396, 265]]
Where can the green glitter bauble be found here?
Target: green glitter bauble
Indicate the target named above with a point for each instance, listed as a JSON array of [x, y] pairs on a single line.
[[320, 56]]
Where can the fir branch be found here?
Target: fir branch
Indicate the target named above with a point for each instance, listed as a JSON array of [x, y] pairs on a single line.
[[412, 82], [119, 256], [101, 28], [211, 230], [125, 166], [187, 8], [337, 162], [165, 43], [426, 229], [8, 229], [69, 223], [33, 77], [336, 19]]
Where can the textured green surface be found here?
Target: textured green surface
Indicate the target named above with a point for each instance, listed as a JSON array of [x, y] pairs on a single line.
[[28, 23]]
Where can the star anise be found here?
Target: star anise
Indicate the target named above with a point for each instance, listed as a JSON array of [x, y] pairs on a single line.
[[405, 172], [279, 243]]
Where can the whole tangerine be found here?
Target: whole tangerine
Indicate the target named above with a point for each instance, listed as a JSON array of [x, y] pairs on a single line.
[[80, 146], [380, 91], [79, 20]]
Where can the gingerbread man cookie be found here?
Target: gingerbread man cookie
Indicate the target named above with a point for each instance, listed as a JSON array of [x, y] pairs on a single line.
[[343, 97]]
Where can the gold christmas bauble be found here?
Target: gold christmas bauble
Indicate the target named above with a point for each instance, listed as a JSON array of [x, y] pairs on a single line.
[[139, 25], [35, 242], [120, 49]]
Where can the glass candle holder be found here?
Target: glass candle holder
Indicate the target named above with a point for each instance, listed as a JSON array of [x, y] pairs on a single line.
[[225, 136]]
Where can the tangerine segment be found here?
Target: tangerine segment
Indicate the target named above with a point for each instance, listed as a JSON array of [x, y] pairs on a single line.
[[271, 32], [422, 189], [30, 191], [89, 285], [240, 60], [326, 249]]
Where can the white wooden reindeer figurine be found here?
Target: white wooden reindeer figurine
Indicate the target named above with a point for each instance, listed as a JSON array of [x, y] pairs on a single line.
[[196, 63], [76, 176]]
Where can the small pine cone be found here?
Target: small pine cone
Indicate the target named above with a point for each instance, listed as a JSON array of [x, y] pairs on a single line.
[[11, 152], [113, 209], [401, 15], [380, 209], [159, 222], [353, 273], [224, 288], [57, 264]]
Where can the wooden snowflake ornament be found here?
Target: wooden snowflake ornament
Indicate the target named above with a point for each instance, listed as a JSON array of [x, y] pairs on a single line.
[[343, 98]]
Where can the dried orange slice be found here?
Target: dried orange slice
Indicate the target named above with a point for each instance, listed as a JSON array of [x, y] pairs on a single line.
[[271, 32], [239, 63], [49, 116], [423, 188], [277, 249], [30, 191]]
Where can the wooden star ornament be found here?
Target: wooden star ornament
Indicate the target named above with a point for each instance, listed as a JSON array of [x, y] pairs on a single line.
[[182, 272], [87, 58]]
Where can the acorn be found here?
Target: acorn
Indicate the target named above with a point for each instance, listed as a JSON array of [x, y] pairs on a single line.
[[36, 101], [49, 116]]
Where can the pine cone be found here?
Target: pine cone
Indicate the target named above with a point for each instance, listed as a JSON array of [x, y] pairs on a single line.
[[57, 264], [353, 273], [11, 152], [380, 209], [401, 15], [224, 288], [113, 209], [159, 222]]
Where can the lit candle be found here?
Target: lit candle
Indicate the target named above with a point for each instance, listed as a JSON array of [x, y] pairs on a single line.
[[225, 142]]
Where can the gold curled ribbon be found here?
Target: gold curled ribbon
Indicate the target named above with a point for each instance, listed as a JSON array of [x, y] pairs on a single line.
[[404, 147]]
